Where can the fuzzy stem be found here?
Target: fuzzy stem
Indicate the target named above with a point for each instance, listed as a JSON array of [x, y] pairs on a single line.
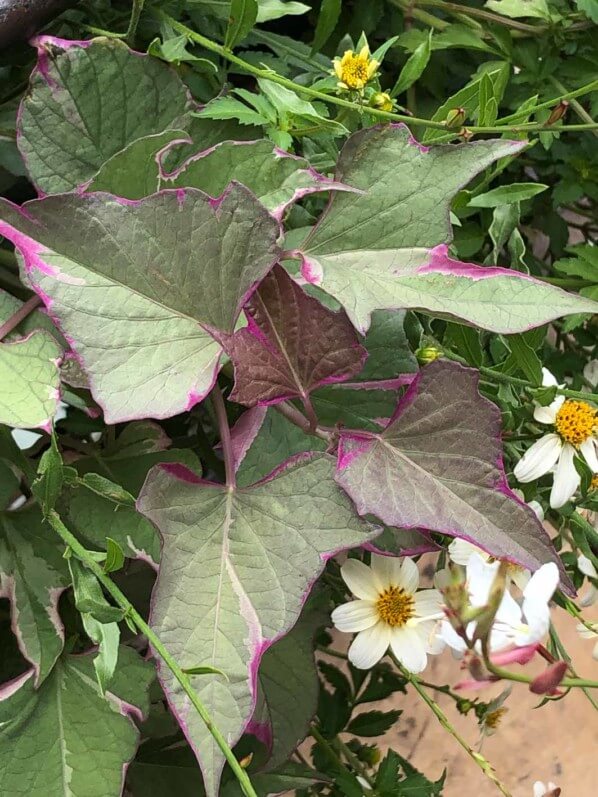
[[22, 313], [268, 74], [225, 438], [134, 21], [183, 679], [478, 758]]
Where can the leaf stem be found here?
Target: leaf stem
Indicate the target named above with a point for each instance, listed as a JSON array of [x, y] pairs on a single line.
[[22, 313], [269, 74], [225, 438], [354, 761], [292, 414], [134, 21], [183, 679], [478, 758]]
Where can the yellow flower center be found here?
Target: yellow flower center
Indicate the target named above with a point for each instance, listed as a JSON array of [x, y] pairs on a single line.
[[575, 422], [492, 720], [395, 606], [354, 71]]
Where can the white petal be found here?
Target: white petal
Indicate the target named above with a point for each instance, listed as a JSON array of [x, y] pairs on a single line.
[[548, 414], [360, 579], [542, 585], [548, 378], [369, 646], [509, 611], [539, 789], [588, 449], [355, 616], [409, 649], [538, 459], [590, 598], [408, 577], [386, 570], [480, 576], [460, 551], [428, 602], [451, 638], [566, 478], [521, 577], [538, 509], [586, 566]]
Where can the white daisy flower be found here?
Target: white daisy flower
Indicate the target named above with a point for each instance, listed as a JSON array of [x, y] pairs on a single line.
[[514, 625], [388, 612], [575, 424], [586, 566], [548, 790]]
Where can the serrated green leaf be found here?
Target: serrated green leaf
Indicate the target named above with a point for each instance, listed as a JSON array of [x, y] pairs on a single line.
[[242, 18], [275, 9], [63, 134], [507, 195], [174, 289], [330, 11], [33, 576], [527, 359], [106, 488], [373, 723], [413, 69], [387, 247], [237, 552], [65, 739]]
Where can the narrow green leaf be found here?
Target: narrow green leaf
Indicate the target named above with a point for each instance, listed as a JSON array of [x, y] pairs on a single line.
[[416, 63], [107, 489], [115, 556], [507, 195], [205, 670], [243, 16], [48, 485], [486, 93], [330, 11], [467, 341], [527, 359]]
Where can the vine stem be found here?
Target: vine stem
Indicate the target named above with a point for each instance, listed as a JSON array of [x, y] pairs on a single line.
[[225, 438], [69, 539], [388, 116], [22, 313], [134, 21], [478, 758]]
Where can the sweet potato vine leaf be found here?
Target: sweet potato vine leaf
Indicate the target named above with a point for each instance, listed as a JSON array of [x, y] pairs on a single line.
[[236, 566], [33, 575], [66, 739], [438, 466], [87, 101], [292, 345], [386, 248], [137, 287]]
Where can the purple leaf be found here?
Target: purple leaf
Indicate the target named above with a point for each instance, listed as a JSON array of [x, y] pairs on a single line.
[[438, 465], [293, 344]]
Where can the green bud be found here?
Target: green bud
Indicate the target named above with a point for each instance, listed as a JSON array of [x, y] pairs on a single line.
[[427, 354], [455, 118]]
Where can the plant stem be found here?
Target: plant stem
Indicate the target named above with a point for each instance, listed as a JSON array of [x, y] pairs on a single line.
[[22, 313], [269, 74], [206, 452], [569, 95], [225, 438], [578, 108], [354, 761], [183, 679], [478, 758], [456, 9], [134, 21], [292, 414]]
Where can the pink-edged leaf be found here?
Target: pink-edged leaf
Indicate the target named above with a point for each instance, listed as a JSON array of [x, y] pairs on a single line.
[[76, 87], [438, 465], [236, 567], [66, 737], [386, 248], [138, 287], [33, 575], [293, 344]]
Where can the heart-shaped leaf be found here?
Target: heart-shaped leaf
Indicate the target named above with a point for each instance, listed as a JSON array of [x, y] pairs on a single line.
[[135, 286], [66, 739], [387, 247], [235, 569], [438, 466], [87, 101], [293, 344]]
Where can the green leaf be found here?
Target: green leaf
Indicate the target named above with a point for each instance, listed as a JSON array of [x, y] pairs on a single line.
[[288, 104], [373, 723], [275, 9], [115, 557], [64, 136], [507, 195], [389, 353], [243, 16], [65, 739], [231, 108], [521, 8], [29, 380], [174, 291], [34, 575], [386, 248], [505, 219], [289, 778], [248, 556], [288, 685], [356, 409], [107, 489], [205, 670], [527, 359], [413, 69], [9, 484], [467, 342], [48, 485], [444, 443], [589, 8], [330, 11]]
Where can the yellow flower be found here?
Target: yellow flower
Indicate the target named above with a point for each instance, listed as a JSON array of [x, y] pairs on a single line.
[[355, 70], [383, 101]]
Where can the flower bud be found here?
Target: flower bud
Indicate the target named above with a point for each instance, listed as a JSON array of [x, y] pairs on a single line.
[[547, 682], [557, 113], [455, 118], [427, 354], [382, 100], [246, 761]]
